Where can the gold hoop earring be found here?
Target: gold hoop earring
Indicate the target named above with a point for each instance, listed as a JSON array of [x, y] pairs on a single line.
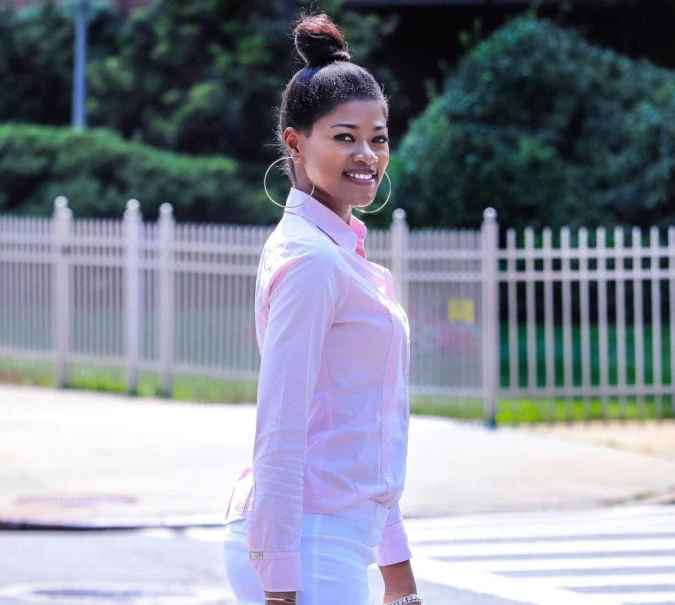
[[385, 201], [286, 157]]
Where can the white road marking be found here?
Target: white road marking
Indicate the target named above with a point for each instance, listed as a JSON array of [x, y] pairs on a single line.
[[547, 558]]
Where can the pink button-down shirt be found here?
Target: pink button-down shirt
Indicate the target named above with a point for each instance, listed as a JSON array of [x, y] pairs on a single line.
[[332, 406]]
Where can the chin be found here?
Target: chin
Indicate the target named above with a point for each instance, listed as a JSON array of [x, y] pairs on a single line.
[[362, 203], [363, 198]]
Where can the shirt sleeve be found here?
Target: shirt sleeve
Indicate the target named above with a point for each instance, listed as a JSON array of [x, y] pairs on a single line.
[[394, 547], [302, 306]]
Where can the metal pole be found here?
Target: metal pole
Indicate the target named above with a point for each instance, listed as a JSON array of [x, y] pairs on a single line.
[[79, 117], [133, 223], [62, 226], [490, 316]]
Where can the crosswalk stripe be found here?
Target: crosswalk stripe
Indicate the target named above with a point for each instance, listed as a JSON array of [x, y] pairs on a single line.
[[622, 556], [469, 578], [599, 581], [552, 531], [514, 549], [579, 563], [533, 518], [646, 598]]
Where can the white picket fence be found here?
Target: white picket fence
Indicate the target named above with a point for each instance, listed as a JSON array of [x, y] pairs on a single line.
[[178, 299]]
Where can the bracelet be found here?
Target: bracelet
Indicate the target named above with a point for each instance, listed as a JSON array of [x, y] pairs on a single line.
[[411, 598], [284, 600]]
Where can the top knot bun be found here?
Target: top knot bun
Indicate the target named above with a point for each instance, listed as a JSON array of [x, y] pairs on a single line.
[[319, 41]]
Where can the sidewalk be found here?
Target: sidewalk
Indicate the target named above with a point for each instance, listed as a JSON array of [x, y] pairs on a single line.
[[77, 459]]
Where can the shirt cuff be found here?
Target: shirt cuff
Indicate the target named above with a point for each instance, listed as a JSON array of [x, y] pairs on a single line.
[[278, 571], [394, 547]]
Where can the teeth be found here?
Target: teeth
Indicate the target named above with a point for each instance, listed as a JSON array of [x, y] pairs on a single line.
[[364, 177]]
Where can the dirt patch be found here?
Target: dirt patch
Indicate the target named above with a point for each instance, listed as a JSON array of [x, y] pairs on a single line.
[[651, 437]]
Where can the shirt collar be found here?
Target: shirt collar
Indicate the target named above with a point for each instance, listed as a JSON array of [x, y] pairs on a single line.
[[347, 236]]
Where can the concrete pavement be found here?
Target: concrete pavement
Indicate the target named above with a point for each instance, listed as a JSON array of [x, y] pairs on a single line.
[[77, 459]]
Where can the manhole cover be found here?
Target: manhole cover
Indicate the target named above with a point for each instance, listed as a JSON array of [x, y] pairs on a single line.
[[77, 500], [101, 594]]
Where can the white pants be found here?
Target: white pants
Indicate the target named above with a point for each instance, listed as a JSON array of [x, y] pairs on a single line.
[[335, 552]]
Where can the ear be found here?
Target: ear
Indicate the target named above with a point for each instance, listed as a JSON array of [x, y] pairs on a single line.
[[292, 140]]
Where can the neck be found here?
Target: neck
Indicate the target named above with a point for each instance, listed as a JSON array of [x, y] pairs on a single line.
[[344, 213]]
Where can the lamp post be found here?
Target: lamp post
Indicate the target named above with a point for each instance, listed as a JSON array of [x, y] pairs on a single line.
[[79, 116]]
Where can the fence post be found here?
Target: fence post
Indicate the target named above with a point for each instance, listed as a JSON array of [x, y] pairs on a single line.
[[62, 225], [132, 226], [490, 315], [166, 299], [399, 256]]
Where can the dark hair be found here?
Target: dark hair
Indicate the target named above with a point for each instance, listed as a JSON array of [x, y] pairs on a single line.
[[328, 79]]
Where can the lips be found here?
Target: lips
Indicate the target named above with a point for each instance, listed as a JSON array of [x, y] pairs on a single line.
[[368, 179]]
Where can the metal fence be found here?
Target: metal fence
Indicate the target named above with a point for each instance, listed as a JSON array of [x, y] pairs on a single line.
[[549, 325], [598, 319]]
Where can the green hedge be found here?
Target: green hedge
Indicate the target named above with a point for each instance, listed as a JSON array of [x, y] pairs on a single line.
[[549, 130], [98, 172]]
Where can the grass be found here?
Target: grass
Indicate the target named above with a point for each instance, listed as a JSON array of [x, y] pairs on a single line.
[[186, 387], [222, 390]]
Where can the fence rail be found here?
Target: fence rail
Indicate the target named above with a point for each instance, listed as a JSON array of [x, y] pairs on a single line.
[[552, 325]]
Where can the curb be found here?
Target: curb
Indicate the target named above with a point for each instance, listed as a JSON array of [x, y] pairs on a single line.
[[664, 498], [99, 524], [212, 520], [667, 498]]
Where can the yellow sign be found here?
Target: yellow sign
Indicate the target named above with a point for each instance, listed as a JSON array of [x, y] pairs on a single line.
[[461, 309]]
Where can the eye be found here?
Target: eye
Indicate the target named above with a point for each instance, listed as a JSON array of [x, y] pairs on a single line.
[[381, 139]]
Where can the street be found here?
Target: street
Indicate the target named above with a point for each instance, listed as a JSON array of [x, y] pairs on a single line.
[[612, 556]]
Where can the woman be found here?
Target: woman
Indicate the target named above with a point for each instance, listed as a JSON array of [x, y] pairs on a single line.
[[320, 503]]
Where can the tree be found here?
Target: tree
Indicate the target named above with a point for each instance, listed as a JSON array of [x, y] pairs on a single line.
[[206, 77], [546, 128], [36, 60]]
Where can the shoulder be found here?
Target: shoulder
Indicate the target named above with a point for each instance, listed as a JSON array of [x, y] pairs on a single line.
[[297, 240], [300, 253]]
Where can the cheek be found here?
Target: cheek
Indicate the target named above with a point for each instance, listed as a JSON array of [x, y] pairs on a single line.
[[327, 164]]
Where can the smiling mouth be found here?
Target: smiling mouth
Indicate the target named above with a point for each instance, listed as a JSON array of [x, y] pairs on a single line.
[[361, 179]]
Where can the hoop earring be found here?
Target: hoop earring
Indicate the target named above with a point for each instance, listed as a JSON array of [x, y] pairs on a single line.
[[385, 201], [286, 157]]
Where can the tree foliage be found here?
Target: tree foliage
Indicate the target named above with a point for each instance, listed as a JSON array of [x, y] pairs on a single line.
[[206, 77], [98, 172], [36, 59], [198, 77], [549, 130]]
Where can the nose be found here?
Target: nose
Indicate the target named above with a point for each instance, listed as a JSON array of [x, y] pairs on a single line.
[[366, 155]]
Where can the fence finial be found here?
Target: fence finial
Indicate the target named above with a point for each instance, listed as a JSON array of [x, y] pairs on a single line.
[[60, 204], [489, 215], [166, 211], [133, 209], [61, 201], [399, 215]]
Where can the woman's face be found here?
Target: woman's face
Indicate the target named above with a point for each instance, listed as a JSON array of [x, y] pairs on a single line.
[[345, 156]]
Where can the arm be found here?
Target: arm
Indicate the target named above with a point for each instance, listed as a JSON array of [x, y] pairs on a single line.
[[393, 556], [399, 581], [394, 547], [302, 304]]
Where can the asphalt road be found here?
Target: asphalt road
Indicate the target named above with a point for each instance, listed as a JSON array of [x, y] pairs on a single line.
[[611, 556]]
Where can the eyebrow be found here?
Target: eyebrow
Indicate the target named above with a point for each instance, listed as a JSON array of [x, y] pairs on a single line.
[[353, 126]]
